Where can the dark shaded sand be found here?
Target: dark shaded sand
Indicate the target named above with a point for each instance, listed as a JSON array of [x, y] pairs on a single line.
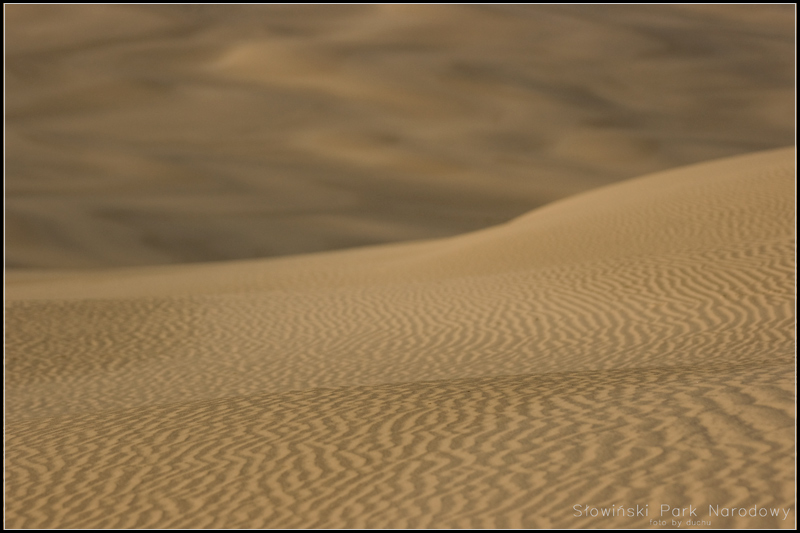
[[143, 135]]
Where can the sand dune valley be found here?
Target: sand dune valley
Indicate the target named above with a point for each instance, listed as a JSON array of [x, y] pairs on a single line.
[[400, 267]]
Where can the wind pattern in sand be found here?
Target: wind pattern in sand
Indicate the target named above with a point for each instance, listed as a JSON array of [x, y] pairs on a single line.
[[634, 344]]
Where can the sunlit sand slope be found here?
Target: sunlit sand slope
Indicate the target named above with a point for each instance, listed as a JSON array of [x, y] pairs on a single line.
[[629, 346]]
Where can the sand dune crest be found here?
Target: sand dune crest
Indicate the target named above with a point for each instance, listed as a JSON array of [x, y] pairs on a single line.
[[632, 345]]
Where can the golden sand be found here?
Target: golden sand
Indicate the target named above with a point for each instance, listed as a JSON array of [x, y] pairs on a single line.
[[630, 346]]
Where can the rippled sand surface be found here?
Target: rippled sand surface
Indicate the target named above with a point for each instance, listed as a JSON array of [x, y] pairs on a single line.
[[633, 345], [400, 266]]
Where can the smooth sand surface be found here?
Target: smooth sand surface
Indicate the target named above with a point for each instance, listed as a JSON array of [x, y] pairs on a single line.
[[633, 345], [144, 134]]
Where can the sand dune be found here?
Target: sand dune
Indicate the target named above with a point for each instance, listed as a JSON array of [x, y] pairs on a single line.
[[633, 345], [145, 134]]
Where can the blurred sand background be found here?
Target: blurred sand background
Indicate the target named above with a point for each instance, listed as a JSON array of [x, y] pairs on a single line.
[[141, 135], [198, 336]]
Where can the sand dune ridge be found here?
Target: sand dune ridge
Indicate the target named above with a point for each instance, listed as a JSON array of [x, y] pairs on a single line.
[[634, 344]]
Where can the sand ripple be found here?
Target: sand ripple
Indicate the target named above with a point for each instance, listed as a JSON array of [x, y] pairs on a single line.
[[502, 452], [494, 379]]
